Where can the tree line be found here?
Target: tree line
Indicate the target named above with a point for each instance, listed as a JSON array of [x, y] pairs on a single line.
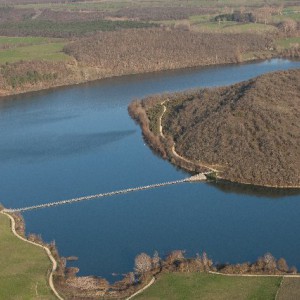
[[155, 49]]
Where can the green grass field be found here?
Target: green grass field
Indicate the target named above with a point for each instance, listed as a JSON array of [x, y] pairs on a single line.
[[46, 28], [211, 287], [117, 4], [286, 43], [16, 41], [24, 267], [92, 5], [50, 52]]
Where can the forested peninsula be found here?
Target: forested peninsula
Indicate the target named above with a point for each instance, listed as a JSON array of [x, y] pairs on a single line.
[[247, 132]]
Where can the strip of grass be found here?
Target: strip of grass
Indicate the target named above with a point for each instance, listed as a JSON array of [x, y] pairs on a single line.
[[287, 43], [92, 5], [49, 52], [211, 287], [22, 40], [23, 272], [46, 28], [233, 27], [117, 4]]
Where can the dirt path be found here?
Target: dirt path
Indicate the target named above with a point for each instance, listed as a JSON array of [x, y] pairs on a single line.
[[160, 120], [175, 153], [279, 294], [52, 259], [229, 275], [37, 14], [142, 289], [257, 275]]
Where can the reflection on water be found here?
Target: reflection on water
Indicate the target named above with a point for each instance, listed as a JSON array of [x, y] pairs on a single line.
[[77, 141], [258, 191], [51, 146]]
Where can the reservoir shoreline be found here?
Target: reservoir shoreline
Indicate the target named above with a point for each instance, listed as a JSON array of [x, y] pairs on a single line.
[[149, 113], [44, 87], [63, 105]]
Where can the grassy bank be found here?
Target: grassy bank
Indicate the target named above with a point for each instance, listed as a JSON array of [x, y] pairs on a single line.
[[49, 52], [206, 286], [24, 267]]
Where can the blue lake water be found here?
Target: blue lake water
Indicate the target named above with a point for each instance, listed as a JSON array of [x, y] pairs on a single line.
[[79, 140]]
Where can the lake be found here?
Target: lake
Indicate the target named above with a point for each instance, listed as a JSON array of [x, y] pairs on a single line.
[[79, 140]]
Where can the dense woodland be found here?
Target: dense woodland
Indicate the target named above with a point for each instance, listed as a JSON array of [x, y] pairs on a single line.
[[102, 39], [26, 75], [249, 131], [145, 50]]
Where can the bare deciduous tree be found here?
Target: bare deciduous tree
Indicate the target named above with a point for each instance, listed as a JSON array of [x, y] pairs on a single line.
[[263, 14], [142, 263], [293, 270], [282, 265], [270, 262], [288, 26], [156, 261], [175, 255], [207, 263]]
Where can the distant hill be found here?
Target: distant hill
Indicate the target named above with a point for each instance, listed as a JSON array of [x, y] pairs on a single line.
[[249, 132]]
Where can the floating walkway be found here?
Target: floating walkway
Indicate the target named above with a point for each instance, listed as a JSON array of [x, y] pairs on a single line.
[[198, 177]]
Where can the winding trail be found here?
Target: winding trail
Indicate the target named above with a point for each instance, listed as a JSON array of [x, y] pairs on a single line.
[[173, 149], [49, 254], [142, 289], [229, 275], [160, 119]]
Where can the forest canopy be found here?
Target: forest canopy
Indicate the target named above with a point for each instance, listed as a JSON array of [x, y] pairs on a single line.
[[249, 131]]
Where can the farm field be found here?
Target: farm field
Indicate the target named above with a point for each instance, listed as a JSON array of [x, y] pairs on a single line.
[[207, 287], [290, 289], [23, 273], [49, 52]]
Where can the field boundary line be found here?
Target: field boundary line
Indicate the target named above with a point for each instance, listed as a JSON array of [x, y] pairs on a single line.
[[257, 275], [279, 288]]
